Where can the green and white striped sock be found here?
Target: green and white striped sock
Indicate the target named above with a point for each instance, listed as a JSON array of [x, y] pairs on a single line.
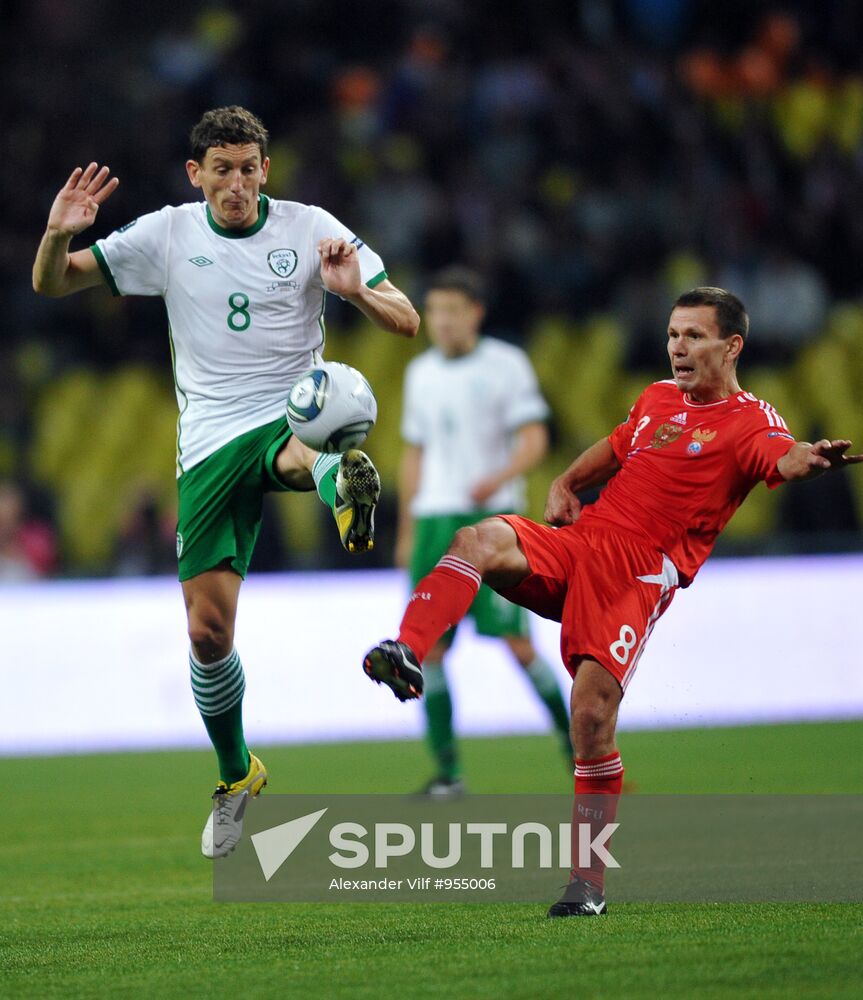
[[218, 691], [324, 473]]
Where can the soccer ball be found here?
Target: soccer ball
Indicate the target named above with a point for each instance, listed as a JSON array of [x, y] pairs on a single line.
[[332, 407]]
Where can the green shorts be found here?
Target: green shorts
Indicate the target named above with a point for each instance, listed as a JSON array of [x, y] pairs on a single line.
[[492, 614], [221, 499]]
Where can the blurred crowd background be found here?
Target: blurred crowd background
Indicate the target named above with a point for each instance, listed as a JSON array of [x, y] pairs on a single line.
[[591, 159]]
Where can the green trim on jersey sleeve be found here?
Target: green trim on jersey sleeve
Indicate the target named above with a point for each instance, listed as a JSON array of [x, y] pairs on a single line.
[[376, 280], [106, 271], [321, 322], [241, 234], [185, 405]]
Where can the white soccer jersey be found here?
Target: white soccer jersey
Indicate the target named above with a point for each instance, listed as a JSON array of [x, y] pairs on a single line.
[[245, 309], [464, 412]]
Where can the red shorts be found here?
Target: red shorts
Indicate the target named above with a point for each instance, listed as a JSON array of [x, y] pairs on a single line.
[[607, 589]]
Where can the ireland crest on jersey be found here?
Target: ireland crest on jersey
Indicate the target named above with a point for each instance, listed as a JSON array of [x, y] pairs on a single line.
[[282, 262]]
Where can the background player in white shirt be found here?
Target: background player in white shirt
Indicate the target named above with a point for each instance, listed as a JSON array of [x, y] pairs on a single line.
[[473, 423], [244, 280]]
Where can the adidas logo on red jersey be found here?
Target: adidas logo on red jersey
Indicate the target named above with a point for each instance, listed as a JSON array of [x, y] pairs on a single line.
[[680, 418]]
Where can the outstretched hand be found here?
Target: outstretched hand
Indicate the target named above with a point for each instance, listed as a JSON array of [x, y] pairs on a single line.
[[75, 207], [827, 455], [340, 267], [806, 461], [562, 506]]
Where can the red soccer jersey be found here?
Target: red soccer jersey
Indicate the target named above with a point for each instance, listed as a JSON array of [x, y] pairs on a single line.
[[686, 467]]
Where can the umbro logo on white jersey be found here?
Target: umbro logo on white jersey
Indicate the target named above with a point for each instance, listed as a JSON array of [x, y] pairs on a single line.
[[680, 418], [200, 261]]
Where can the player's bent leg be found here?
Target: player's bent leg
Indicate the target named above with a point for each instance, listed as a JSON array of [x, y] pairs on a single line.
[[224, 826]]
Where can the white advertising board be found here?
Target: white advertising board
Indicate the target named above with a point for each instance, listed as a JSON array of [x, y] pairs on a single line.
[[92, 665]]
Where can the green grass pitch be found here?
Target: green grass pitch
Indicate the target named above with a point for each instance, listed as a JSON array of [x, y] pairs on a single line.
[[103, 892]]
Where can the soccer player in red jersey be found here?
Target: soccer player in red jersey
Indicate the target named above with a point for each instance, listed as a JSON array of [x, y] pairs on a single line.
[[675, 471]]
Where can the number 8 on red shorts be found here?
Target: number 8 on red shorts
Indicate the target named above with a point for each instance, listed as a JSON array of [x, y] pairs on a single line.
[[607, 587]]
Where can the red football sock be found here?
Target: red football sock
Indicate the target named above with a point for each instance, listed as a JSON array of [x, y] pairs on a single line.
[[439, 601], [598, 784]]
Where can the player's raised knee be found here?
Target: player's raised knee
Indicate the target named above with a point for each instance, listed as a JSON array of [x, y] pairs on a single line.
[[466, 544], [492, 547], [476, 544]]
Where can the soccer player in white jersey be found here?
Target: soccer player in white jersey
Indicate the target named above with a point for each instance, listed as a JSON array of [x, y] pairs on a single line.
[[244, 279], [474, 423]]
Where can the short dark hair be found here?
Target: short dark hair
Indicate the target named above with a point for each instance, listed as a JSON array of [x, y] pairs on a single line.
[[227, 126], [458, 279], [731, 315]]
